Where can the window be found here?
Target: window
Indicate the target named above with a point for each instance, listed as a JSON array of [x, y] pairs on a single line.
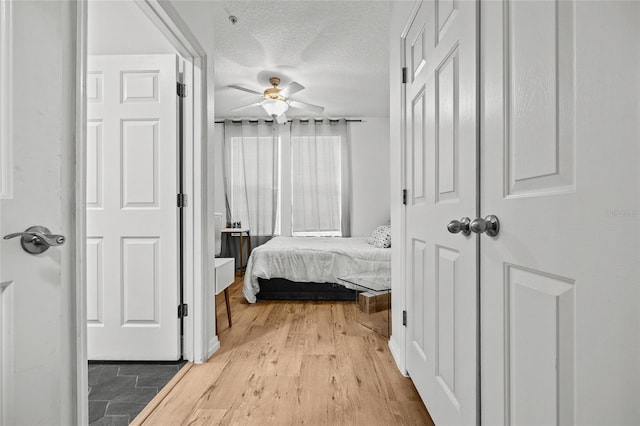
[[297, 184], [316, 186], [254, 183]]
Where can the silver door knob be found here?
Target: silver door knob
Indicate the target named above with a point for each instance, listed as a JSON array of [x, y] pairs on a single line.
[[461, 225], [37, 239], [490, 225]]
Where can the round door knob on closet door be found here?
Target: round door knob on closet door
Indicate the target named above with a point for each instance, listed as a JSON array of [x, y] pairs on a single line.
[[462, 225], [490, 225]]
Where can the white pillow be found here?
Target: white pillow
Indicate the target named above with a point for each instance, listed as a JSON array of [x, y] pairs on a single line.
[[380, 237]]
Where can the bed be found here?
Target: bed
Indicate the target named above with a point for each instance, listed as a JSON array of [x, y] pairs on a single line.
[[308, 263]]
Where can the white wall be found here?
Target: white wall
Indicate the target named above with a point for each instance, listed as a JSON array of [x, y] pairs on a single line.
[[370, 174], [197, 16], [121, 28]]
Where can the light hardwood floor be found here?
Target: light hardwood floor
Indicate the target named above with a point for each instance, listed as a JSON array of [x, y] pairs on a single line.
[[292, 363]]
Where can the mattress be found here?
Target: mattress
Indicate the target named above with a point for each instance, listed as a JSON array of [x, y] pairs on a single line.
[[311, 260]]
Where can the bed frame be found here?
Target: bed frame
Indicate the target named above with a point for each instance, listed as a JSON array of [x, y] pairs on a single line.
[[282, 289]]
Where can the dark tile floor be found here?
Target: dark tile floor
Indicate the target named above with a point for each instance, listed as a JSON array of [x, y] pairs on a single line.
[[118, 391]]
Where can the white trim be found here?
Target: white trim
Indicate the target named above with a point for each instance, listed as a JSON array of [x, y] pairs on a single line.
[[190, 238], [6, 97], [80, 213], [397, 356], [402, 15], [401, 353], [171, 25], [203, 236], [213, 348]]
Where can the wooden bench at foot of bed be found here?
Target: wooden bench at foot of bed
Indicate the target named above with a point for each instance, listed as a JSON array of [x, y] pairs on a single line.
[[282, 289]]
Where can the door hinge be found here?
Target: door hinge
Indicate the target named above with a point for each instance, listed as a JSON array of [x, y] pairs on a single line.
[[182, 200], [404, 197], [404, 318], [183, 310], [181, 89], [404, 75]]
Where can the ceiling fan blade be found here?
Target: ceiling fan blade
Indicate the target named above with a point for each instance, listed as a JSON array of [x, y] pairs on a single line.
[[281, 119], [246, 106], [309, 107], [244, 89], [291, 89]]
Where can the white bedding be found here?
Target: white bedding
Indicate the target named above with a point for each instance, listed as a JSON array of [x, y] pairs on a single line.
[[311, 259]]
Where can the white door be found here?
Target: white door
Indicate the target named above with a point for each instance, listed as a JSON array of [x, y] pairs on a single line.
[[441, 144], [560, 169], [132, 218], [38, 353]]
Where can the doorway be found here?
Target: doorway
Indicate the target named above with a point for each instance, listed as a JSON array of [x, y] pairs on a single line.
[[141, 133], [133, 247]]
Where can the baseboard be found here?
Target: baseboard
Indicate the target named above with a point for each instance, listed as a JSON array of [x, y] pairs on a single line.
[[213, 348], [396, 354]]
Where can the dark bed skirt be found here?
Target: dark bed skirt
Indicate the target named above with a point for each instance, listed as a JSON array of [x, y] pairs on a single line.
[[281, 289]]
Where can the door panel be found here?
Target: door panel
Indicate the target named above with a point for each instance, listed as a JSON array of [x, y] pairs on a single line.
[[560, 320], [140, 281], [418, 175], [95, 87], [446, 303], [422, 331], [540, 352], [95, 281], [540, 118], [440, 53], [445, 10], [139, 166], [131, 210], [39, 357], [447, 129], [95, 164], [139, 86]]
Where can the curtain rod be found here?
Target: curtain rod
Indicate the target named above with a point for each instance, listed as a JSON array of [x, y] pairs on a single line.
[[289, 121]]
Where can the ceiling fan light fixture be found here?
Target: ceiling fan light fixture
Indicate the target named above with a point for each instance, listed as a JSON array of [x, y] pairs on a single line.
[[276, 101], [274, 107], [273, 93]]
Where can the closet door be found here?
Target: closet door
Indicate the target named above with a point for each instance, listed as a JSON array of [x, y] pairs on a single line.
[[132, 218], [441, 146], [560, 160]]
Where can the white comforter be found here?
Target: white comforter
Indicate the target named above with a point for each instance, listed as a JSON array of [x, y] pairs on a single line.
[[311, 259]]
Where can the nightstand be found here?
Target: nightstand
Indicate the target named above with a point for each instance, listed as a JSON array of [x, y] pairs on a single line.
[[225, 276], [241, 233]]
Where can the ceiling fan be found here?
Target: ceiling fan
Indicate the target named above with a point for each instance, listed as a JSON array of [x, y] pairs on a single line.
[[276, 101]]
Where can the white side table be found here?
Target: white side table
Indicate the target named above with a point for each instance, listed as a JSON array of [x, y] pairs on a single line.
[[225, 276], [241, 233]]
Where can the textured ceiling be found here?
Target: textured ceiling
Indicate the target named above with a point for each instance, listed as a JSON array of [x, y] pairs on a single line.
[[338, 50]]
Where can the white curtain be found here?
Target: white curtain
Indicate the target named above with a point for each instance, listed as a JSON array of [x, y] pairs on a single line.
[[252, 176], [320, 178]]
